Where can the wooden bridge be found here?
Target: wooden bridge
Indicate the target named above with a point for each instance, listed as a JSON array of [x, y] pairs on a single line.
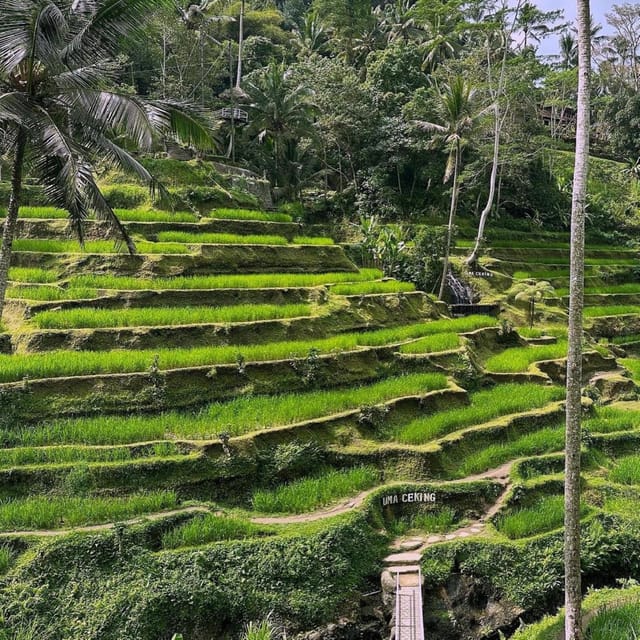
[[408, 612]]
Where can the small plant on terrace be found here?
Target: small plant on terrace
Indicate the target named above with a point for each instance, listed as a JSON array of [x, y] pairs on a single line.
[[374, 417], [309, 368], [157, 384], [225, 438]]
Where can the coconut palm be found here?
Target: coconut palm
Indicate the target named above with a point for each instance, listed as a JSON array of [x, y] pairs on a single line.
[[573, 591], [281, 114], [455, 110], [60, 115]]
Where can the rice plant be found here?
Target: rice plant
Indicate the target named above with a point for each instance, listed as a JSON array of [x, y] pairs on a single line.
[[206, 528], [484, 406], [545, 515], [626, 471], [236, 417], [151, 215], [48, 293], [219, 238], [165, 316], [313, 240], [439, 521], [519, 359], [53, 512], [57, 455], [613, 419], [306, 494], [32, 275], [432, 344], [369, 288], [613, 310], [249, 281], [39, 245], [247, 214], [481, 459], [6, 558], [616, 623], [74, 363]]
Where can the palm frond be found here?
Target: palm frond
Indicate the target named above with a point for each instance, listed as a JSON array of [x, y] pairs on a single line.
[[430, 126], [184, 122], [16, 27], [103, 211], [102, 25], [116, 112]]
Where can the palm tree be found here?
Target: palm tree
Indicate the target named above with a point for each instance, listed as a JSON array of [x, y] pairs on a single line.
[[454, 108], [568, 51], [281, 114], [59, 115], [573, 591]]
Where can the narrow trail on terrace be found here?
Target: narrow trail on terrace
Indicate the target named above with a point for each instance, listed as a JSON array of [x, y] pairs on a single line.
[[501, 474], [106, 526]]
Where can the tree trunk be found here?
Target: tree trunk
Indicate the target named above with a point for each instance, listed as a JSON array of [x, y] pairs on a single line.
[[475, 254], [240, 45], [573, 587], [452, 216], [9, 227]]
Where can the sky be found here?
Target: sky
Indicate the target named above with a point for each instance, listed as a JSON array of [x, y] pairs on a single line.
[[598, 9]]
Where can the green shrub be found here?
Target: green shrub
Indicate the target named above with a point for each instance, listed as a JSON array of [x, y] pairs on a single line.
[[126, 196]]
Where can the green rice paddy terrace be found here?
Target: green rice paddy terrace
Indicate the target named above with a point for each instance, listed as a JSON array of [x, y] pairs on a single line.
[[220, 427]]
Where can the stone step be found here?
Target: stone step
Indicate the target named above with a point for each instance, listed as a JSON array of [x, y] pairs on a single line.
[[405, 557]]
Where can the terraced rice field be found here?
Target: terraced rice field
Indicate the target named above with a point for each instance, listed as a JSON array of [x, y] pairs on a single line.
[[278, 408]]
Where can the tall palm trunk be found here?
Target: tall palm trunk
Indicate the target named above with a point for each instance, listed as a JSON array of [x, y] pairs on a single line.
[[9, 227], [573, 588], [452, 216]]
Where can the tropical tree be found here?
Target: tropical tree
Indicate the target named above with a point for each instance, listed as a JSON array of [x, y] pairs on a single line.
[[281, 114], [454, 108], [573, 589], [60, 116]]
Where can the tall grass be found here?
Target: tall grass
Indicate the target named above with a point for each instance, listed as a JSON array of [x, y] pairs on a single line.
[[616, 623], [218, 238], [74, 363], [251, 281], [626, 471], [314, 240], [368, 288], [35, 276], [247, 214], [520, 359], [93, 246], [614, 310], [50, 512], [319, 490], [206, 528], [39, 212], [627, 287], [540, 442], [484, 406], [165, 316], [240, 415], [432, 344], [545, 515]]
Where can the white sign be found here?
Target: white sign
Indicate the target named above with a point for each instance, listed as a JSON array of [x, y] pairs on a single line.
[[406, 498]]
